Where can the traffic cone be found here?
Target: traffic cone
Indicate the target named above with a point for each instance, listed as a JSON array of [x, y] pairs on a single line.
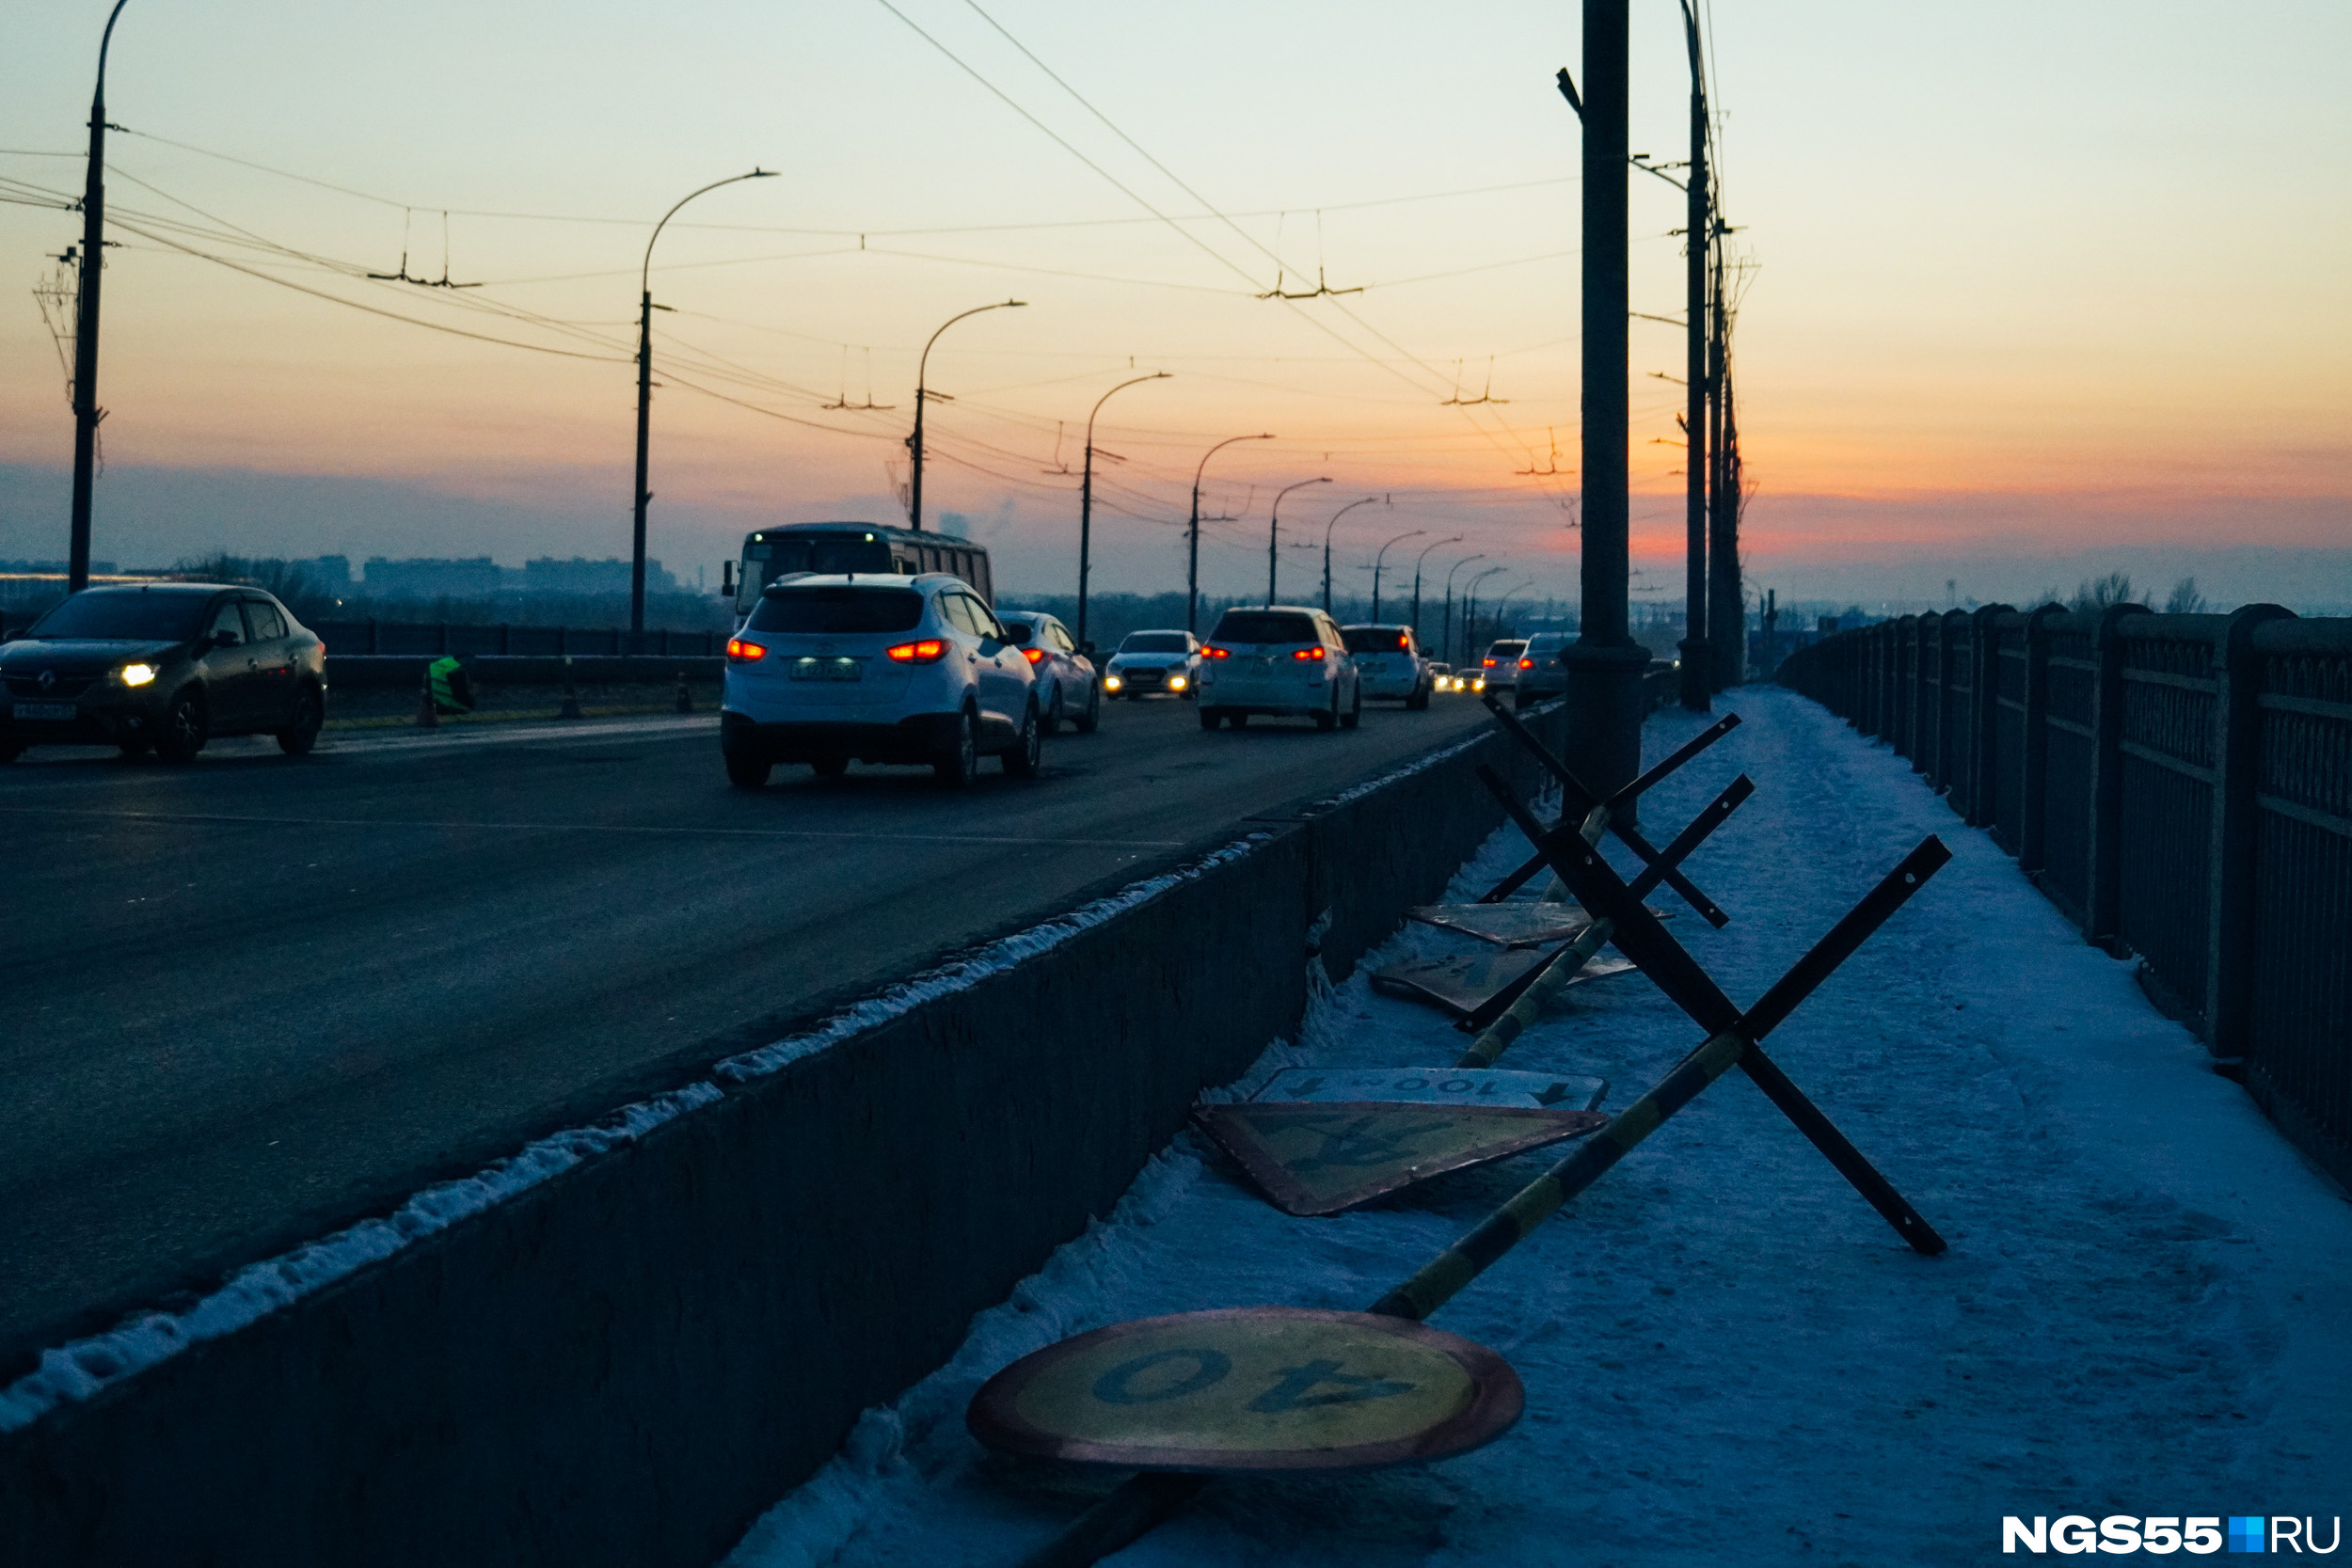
[[685, 698], [571, 697], [428, 716]]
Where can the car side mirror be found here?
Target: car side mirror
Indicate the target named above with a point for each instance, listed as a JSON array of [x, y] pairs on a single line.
[[1086, 648]]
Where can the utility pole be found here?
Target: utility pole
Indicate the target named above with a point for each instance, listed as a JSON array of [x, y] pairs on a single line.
[[1733, 610], [644, 399], [86, 410], [1605, 664], [1696, 672], [1727, 613], [1382, 556], [1274, 530], [915, 442], [1327, 546], [1192, 563], [1086, 498], [1417, 560]]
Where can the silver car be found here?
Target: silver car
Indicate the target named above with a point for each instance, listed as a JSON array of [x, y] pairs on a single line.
[[1150, 661], [1069, 687], [1544, 667]]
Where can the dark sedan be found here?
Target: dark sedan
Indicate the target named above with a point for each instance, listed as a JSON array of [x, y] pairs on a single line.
[[163, 667]]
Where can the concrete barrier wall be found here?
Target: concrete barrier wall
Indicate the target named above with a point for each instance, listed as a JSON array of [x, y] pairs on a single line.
[[405, 672], [624, 1363]]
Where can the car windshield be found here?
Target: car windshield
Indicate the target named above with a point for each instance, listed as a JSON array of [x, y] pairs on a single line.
[[837, 610], [130, 615], [1153, 642], [1375, 639], [1264, 625]]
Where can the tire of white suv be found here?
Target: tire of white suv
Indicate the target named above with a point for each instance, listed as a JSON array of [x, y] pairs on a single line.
[[960, 761], [1419, 700], [1327, 721], [1027, 753], [1355, 714], [748, 772], [1049, 718]]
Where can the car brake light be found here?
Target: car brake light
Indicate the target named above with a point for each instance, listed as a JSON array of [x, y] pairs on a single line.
[[930, 650], [1033, 655], [1527, 664], [1487, 664], [1306, 652], [744, 653], [1213, 651]]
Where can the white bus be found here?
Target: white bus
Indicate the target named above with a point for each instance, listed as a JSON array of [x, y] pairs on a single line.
[[774, 553]]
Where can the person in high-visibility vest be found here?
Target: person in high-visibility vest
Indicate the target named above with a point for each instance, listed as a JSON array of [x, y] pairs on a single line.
[[452, 691]]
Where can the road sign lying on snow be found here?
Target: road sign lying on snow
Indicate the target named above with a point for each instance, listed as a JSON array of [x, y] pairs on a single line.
[[1250, 1389], [1142, 1503], [1518, 924], [1314, 1086], [1323, 1158], [1472, 983]]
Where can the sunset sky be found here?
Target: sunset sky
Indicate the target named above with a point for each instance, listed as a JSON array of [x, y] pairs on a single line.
[[2029, 290]]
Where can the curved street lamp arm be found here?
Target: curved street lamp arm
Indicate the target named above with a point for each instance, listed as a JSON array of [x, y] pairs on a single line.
[[1155, 376], [106, 40], [1458, 565], [645, 275], [920, 368], [1398, 540], [1268, 436], [1342, 513], [1434, 544]]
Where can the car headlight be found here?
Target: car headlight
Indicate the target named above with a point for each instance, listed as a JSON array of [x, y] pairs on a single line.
[[1112, 683], [1175, 683], [135, 675]]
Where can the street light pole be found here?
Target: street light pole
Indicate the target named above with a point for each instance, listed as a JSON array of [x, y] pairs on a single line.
[[915, 442], [1500, 629], [86, 410], [1697, 675], [1192, 564], [1377, 559], [1086, 498], [1470, 612], [1327, 546], [645, 396], [1274, 529], [1417, 560], [1446, 640]]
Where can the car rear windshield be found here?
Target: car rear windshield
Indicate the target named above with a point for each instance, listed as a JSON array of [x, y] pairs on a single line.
[[1018, 632], [1264, 625], [837, 610], [1508, 650], [1374, 639], [1156, 643], [137, 616]]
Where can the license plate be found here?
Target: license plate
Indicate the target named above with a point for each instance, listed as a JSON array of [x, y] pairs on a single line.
[[64, 712], [827, 669]]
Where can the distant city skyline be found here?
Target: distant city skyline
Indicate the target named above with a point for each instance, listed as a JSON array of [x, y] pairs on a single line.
[[2015, 307]]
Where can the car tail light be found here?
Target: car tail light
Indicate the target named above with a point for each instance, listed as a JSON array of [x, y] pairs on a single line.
[[1213, 651], [1486, 663], [930, 650], [1527, 664], [1033, 655], [741, 652], [1306, 652]]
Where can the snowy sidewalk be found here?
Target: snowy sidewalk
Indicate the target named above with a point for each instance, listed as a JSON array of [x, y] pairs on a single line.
[[1729, 1358]]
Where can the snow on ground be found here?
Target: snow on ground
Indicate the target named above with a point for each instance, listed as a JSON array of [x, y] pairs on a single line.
[[1728, 1356]]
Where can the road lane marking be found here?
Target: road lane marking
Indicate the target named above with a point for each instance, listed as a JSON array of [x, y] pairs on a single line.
[[593, 828]]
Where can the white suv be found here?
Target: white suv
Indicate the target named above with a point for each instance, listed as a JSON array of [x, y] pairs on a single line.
[[1280, 659], [1390, 662], [881, 669]]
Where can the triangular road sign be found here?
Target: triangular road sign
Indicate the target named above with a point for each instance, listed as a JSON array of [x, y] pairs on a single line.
[[1321, 1157]]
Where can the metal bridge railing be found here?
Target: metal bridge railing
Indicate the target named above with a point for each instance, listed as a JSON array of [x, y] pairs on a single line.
[[2180, 785]]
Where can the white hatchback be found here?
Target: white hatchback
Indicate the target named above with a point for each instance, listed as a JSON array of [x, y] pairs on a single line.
[[1391, 661], [1280, 659], [878, 669]]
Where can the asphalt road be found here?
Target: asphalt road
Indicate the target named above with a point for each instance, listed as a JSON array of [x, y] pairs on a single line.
[[250, 1000]]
